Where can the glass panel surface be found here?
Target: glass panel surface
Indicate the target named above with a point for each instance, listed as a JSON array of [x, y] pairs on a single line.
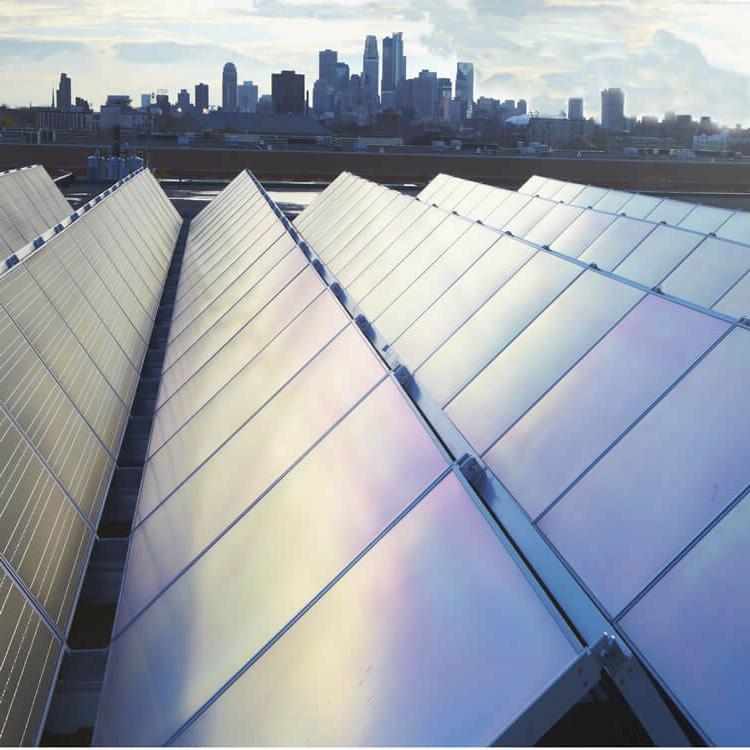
[[507, 210], [619, 239], [736, 302], [705, 219], [251, 461], [658, 255], [385, 252], [589, 196], [670, 211], [528, 217], [225, 412], [461, 300], [736, 228], [485, 207], [348, 672], [293, 300], [670, 476], [291, 544], [553, 224], [495, 324], [640, 206], [568, 192], [613, 201], [533, 184], [413, 265], [582, 232], [700, 608], [599, 398], [435, 280], [705, 275], [532, 362]]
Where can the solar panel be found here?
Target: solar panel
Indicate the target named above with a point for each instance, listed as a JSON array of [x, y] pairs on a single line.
[[287, 451], [612, 414], [71, 348], [30, 203]]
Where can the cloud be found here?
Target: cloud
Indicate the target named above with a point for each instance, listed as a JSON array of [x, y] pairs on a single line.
[[15, 49], [175, 53]]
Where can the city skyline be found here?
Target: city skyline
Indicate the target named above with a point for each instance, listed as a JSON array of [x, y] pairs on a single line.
[[677, 56]]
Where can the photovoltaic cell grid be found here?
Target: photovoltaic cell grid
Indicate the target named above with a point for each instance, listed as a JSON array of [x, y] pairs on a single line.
[[613, 415], [705, 260], [30, 203], [299, 529], [75, 314]]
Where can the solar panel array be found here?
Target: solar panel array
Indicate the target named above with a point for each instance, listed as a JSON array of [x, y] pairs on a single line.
[[308, 565], [76, 312], [703, 258], [30, 203], [615, 416]]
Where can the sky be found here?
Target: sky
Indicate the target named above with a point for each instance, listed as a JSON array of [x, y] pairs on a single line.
[[689, 56]]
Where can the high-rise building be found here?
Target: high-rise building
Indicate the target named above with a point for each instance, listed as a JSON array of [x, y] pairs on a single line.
[[201, 97], [394, 68], [327, 61], [64, 98], [288, 92], [370, 72], [229, 88], [147, 100], [575, 108], [522, 107], [465, 86], [247, 97], [425, 95], [613, 109], [183, 100]]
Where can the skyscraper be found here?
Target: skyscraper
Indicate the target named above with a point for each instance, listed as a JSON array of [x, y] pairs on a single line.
[[229, 88], [201, 96], [247, 97], [63, 93], [613, 109], [394, 68], [327, 61], [465, 86], [183, 100], [370, 72], [575, 108], [288, 92]]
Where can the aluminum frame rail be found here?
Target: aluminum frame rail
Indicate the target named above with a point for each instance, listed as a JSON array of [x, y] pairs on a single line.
[[75, 314], [351, 208]]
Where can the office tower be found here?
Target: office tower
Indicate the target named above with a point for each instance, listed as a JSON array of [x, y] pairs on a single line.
[[265, 104], [201, 96], [162, 101], [613, 109], [229, 88], [370, 70], [522, 107], [63, 93], [247, 97], [183, 100], [575, 108], [327, 62], [394, 68], [465, 86], [445, 88], [146, 100], [425, 95], [288, 92]]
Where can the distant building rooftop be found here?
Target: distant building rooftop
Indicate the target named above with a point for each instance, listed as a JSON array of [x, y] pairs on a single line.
[[263, 123]]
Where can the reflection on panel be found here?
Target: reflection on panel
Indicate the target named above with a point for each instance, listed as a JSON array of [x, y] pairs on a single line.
[[700, 608], [349, 672], [670, 476], [327, 509]]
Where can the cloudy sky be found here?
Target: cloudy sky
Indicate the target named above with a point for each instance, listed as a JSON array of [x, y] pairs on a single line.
[[684, 55]]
